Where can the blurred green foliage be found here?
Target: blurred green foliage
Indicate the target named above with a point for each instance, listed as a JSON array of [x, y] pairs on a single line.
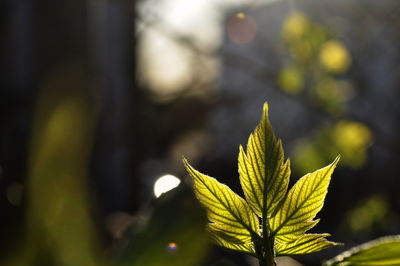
[[349, 138], [372, 212], [59, 226], [172, 233], [315, 58], [314, 64]]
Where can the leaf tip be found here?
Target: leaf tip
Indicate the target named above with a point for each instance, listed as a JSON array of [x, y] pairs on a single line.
[[188, 167], [336, 161], [265, 109], [241, 150], [184, 161], [287, 162]]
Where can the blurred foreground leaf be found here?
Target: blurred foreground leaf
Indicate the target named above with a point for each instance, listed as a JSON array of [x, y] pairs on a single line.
[[59, 229], [382, 251], [172, 235]]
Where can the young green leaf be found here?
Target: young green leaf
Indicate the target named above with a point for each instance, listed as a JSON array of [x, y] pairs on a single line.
[[233, 224], [304, 200], [230, 242], [285, 216], [307, 243], [264, 175], [382, 251]]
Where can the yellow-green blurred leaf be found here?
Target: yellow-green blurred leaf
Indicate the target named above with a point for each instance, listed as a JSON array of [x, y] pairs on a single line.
[[59, 228], [171, 233], [382, 251]]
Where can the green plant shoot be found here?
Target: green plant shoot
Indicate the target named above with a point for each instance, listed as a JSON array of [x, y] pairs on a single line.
[[271, 221]]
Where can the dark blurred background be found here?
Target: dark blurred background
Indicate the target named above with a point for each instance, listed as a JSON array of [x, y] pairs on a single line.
[[101, 98]]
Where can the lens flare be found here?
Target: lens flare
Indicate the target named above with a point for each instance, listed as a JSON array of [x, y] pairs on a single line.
[[165, 184], [172, 246], [241, 28]]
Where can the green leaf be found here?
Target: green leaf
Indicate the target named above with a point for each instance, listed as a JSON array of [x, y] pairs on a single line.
[[304, 200], [264, 175], [231, 242], [285, 216], [232, 221], [382, 251], [307, 243]]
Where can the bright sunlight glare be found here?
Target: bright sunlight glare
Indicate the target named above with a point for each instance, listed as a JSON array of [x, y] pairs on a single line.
[[165, 184], [165, 62]]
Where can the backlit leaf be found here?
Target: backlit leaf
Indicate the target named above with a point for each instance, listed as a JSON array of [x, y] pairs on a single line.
[[285, 216], [304, 200], [230, 216], [231, 242], [382, 251], [307, 243], [264, 174]]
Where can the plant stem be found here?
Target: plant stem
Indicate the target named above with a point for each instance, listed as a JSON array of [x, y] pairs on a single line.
[[268, 258], [270, 254], [264, 248], [266, 263], [266, 254]]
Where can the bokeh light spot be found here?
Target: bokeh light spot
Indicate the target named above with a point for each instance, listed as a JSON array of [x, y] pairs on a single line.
[[241, 28], [372, 212], [290, 80], [352, 135], [332, 89], [171, 247], [295, 26], [165, 184], [335, 57], [241, 15]]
